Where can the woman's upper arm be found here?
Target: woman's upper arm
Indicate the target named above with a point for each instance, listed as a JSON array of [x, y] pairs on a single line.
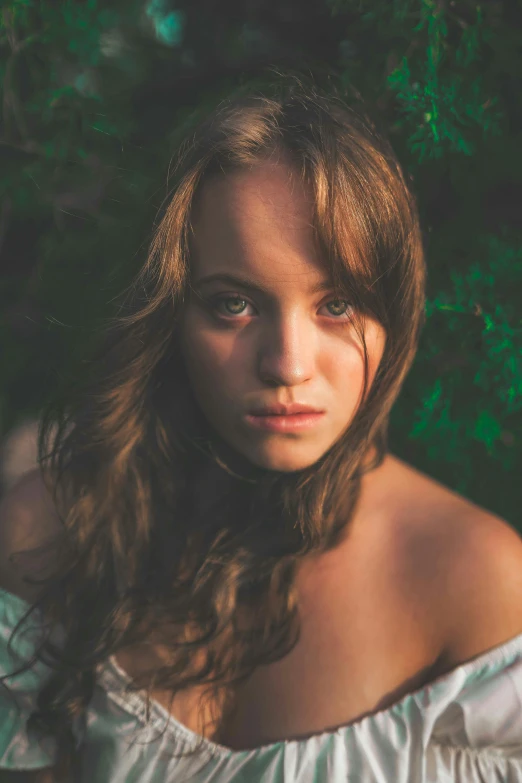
[[28, 519]]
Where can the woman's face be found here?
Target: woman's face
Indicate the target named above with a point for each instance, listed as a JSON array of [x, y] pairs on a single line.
[[284, 340]]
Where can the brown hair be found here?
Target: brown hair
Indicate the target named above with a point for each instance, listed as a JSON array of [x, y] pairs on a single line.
[[130, 444]]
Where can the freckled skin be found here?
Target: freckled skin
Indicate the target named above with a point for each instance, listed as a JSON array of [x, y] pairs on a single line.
[[288, 346]]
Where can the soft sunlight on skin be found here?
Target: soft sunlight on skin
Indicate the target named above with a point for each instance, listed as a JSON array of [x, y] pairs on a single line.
[[286, 345]]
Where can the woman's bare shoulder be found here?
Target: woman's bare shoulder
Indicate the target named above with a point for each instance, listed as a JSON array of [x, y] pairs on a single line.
[[28, 519], [423, 507], [436, 519], [471, 557]]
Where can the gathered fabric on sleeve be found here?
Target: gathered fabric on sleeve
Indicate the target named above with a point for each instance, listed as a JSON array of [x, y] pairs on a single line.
[[18, 748], [478, 736]]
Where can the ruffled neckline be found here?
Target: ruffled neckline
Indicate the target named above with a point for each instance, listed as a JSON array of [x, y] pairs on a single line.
[[113, 675], [487, 658]]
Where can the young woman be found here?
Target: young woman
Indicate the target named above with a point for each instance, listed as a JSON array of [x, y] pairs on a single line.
[[237, 580]]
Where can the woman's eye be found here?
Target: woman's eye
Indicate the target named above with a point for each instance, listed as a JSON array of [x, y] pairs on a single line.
[[341, 306], [344, 309], [221, 300]]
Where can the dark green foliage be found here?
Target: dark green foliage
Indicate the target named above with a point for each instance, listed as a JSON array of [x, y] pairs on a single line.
[[95, 97]]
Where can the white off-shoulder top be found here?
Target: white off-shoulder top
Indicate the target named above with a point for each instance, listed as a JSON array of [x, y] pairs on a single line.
[[464, 727]]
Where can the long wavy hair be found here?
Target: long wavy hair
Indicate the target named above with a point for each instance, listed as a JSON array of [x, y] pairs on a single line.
[[124, 452]]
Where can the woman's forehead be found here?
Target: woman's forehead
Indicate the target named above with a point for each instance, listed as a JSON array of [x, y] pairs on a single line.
[[268, 192], [254, 220]]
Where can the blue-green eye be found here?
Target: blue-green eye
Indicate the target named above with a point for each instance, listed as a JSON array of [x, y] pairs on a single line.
[[336, 301], [217, 301]]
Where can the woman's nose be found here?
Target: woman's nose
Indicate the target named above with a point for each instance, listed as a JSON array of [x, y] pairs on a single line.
[[287, 354]]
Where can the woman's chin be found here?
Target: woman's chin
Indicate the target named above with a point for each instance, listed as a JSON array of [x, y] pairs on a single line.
[[278, 455], [278, 460]]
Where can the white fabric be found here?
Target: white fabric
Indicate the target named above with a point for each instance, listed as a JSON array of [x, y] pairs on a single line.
[[465, 727]]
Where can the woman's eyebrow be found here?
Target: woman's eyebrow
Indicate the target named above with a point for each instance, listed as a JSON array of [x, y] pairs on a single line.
[[248, 283]]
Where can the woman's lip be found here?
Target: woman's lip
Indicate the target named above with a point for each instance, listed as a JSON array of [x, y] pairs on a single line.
[[268, 412], [280, 423]]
